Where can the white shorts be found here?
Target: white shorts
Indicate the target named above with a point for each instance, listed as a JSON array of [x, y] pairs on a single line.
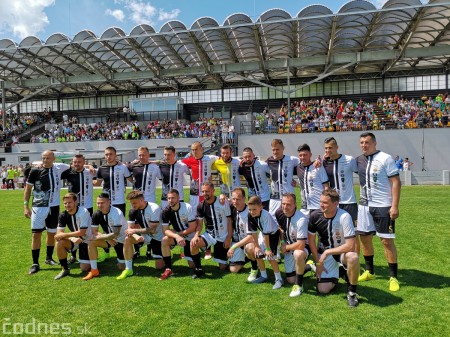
[[210, 241], [147, 238], [238, 257], [194, 200], [44, 218], [274, 205], [289, 262], [365, 224], [262, 244], [332, 267]]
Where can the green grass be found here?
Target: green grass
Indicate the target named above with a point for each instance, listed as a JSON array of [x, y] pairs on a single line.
[[224, 304]]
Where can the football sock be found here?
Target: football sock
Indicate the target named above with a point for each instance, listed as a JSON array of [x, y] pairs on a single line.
[[278, 276], [35, 255], [299, 280], [93, 264], [149, 248], [393, 269], [129, 264], [351, 287], [369, 263], [196, 260], [168, 261], [50, 252], [254, 264], [64, 264], [264, 273]]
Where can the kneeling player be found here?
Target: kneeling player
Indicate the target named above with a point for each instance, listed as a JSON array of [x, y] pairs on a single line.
[[181, 217], [144, 226], [334, 227], [113, 224], [219, 228], [78, 220], [266, 243], [294, 226], [238, 254]]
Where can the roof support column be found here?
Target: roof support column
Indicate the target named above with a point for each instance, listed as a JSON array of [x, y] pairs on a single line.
[[289, 90], [3, 103]]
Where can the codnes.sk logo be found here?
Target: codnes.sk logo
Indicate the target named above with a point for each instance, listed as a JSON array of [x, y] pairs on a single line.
[[35, 327]]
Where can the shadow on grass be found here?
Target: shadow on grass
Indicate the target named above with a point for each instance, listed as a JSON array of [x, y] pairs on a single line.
[[367, 294], [416, 278]]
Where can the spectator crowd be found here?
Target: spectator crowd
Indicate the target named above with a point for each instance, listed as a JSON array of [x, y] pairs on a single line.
[[71, 131], [319, 115]]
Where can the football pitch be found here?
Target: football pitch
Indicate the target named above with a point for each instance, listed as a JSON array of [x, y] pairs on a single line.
[[224, 304]]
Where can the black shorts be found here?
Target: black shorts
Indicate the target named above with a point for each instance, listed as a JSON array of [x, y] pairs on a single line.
[[220, 252], [83, 254], [155, 247], [266, 205], [384, 226], [119, 251], [122, 207], [90, 210], [187, 249], [351, 209]]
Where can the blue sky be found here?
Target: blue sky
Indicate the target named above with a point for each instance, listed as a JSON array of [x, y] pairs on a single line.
[[42, 18]]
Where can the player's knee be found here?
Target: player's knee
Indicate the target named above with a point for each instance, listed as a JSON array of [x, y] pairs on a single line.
[[166, 241], [325, 288], [290, 279], [387, 243], [352, 258], [299, 255], [85, 267], [223, 267], [235, 268], [159, 264]]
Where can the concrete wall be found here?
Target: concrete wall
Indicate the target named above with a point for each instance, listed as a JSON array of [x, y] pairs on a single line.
[[94, 149], [406, 143]]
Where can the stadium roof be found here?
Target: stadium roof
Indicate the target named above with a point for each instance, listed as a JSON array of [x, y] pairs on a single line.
[[358, 39]]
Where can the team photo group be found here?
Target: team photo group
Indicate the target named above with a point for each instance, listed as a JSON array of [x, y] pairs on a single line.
[[259, 224]]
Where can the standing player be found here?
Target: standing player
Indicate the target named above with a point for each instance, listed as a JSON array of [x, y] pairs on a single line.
[[254, 172], [340, 168], [228, 168], [281, 170], [378, 209], [80, 182], [218, 229], [113, 174], [145, 175], [294, 228], [78, 220], [336, 232], [46, 181], [181, 217], [114, 225], [237, 254], [200, 167], [144, 226], [313, 180], [172, 172]]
